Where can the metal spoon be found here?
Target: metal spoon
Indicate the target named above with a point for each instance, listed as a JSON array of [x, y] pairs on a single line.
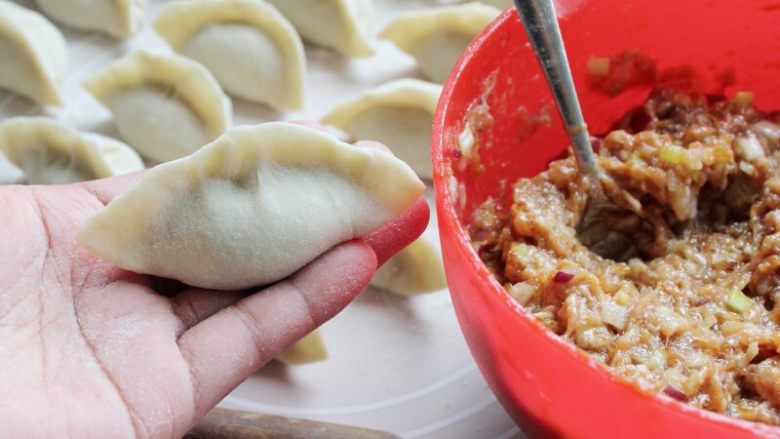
[[541, 25]]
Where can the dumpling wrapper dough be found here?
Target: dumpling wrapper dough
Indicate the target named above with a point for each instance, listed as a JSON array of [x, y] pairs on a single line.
[[398, 114], [33, 54], [49, 152], [342, 25], [417, 269], [165, 106], [309, 349], [118, 18], [437, 37], [252, 50], [251, 208]]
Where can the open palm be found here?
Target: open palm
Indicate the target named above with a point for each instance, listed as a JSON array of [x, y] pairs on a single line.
[[91, 350]]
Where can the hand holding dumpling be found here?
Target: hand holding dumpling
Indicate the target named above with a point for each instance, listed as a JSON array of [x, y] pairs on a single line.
[[143, 355]]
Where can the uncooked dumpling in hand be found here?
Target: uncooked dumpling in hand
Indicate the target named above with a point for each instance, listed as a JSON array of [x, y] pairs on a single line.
[[50, 152], [437, 37], [165, 106], [33, 54], [119, 18], [343, 25], [417, 269], [252, 50], [398, 114], [251, 208]]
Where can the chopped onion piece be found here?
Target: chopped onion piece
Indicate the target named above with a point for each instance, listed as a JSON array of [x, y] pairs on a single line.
[[614, 315], [767, 129], [596, 143], [523, 292], [749, 148], [675, 393], [669, 321], [562, 277]]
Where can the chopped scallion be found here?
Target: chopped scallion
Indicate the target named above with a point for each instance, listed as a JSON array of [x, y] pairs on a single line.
[[738, 302], [671, 154]]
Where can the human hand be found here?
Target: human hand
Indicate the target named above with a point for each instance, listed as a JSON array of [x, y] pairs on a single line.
[[91, 350]]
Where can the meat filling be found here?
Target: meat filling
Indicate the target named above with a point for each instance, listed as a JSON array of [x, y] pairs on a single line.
[[682, 295]]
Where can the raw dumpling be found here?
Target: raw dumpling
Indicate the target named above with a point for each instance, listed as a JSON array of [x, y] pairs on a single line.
[[119, 18], [437, 37], [309, 349], [165, 106], [251, 208], [343, 25], [252, 50], [33, 54], [398, 114], [49, 152], [417, 269]]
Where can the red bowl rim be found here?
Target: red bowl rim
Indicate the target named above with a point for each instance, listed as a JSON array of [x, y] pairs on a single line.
[[447, 212]]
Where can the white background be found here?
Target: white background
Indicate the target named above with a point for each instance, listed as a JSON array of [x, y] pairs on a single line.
[[395, 364]]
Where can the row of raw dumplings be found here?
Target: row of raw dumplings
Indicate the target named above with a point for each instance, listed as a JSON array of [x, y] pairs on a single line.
[[250, 46], [345, 28], [251, 51]]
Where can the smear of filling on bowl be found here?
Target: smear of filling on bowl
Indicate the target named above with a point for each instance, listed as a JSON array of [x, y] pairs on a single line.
[[682, 298]]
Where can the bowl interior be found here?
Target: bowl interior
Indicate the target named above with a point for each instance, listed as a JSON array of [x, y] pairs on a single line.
[[718, 47], [497, 94]]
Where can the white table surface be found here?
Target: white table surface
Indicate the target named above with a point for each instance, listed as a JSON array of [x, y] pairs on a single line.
[[395, 364]]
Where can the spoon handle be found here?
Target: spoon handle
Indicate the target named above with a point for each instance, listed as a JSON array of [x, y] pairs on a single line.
[[541, 25]]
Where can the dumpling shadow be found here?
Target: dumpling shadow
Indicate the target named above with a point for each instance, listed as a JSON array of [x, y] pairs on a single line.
[[105, 127], [12, 105], [389, 63], [373, 297], [276, 371], [251, 113], [29, 4], [327, 59]]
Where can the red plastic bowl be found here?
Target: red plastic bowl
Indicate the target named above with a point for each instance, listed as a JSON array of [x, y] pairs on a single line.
[[549, 387]]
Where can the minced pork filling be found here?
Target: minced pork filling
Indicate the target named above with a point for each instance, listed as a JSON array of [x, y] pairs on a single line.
[[681, 295]]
